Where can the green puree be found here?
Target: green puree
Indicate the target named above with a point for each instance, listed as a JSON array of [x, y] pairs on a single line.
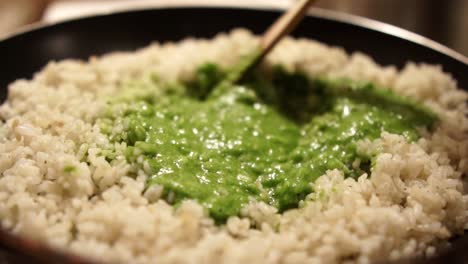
[[266, 140]]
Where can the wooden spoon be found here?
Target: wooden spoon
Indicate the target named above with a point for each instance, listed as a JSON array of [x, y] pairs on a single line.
[[281, 27]]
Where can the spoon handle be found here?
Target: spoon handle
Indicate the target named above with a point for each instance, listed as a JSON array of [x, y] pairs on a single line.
[[283, 26]]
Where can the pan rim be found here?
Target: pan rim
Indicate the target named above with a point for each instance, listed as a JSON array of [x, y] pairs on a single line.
[[336, 16]]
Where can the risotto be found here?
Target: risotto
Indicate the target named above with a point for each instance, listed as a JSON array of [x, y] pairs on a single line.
[[318, 157]]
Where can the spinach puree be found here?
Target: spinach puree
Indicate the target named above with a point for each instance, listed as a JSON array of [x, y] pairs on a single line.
[[266, 139]]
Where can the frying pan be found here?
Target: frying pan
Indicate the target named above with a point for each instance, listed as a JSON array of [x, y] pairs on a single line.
[[28, 51]]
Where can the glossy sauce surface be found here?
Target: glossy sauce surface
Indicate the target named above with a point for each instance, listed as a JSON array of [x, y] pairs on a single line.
[[242, 145]]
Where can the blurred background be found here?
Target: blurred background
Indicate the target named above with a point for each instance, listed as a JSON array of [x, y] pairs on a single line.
[[443, 21]]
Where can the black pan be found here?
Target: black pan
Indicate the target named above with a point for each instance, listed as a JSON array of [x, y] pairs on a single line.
[[25, 53]]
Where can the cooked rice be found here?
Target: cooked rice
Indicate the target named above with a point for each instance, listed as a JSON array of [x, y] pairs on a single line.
[[412, 202]]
